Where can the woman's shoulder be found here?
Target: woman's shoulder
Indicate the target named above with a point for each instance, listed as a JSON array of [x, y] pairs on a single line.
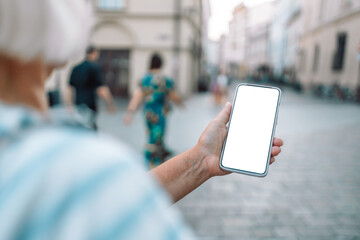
[[95, 147], [33, 136], [71, 150]]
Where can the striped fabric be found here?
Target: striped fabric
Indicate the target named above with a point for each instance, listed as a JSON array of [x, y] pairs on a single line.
[[61, 181]]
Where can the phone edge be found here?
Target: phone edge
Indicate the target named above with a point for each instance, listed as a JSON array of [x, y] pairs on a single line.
[[272, 134]]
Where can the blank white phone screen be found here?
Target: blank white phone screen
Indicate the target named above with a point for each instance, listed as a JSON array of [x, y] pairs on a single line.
[[250, 131]]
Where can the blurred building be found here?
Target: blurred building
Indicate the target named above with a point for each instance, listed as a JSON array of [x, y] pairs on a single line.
[[213, 58], [285, 33], [330, 43], [207, 49], [246, 47], [128, 32], [206, 14], [224, 52], [294, 31], [232, 50], [278, 35], [238, 42], [259, 19], [317, 42]]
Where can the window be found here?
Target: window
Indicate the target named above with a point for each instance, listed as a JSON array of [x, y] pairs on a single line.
[[316, 58], [338, 60], [111, 4]]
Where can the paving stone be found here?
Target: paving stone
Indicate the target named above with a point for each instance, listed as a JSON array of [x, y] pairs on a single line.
[[285, 232], [239, 233], [315, 231], [347, 231], [263, 232]]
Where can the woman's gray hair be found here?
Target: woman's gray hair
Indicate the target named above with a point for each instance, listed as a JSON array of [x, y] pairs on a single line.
[[56, 30]]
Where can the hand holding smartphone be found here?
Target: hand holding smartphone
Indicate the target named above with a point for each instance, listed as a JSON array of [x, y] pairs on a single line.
[[247, 148]]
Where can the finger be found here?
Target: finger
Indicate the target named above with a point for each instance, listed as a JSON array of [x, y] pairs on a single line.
[[275, 151], [278, 142], [272, 160], [224, 115]]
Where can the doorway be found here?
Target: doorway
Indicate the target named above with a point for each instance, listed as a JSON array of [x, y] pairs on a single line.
[[115, 69]]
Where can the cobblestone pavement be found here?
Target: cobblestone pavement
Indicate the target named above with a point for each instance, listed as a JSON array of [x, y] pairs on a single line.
[[312, 191]]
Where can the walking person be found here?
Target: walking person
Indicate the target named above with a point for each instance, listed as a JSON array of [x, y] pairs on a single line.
[[156, 91], [52, 86], [87, 84]]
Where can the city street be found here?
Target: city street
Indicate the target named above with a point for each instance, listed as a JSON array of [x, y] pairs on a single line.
[[312, 191]]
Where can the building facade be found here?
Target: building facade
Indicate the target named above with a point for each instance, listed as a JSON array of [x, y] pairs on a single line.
[[286, 31], [258, 35], [237, 40], [128, 32], [329, 45], [232, 47], [278, 35], [213, 59], [224, 52], [206, 43], [246, 47]]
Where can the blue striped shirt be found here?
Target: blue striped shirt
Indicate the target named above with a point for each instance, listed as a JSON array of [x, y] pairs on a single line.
[[62, 181]]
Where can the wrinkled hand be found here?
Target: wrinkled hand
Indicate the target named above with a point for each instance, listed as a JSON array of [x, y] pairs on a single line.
[[212, 139]]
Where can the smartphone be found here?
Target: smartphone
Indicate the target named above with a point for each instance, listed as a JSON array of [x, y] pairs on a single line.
[[251, 128]]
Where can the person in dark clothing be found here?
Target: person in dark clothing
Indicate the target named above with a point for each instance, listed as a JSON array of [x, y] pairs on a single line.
[[87, 83]]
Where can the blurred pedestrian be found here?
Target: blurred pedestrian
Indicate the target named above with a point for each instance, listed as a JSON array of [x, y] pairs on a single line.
[[156, 91], [52, 87], [87, 83], [58, 180], [221, 88]]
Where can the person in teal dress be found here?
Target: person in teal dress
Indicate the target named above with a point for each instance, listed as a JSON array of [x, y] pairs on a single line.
[[156, 91]]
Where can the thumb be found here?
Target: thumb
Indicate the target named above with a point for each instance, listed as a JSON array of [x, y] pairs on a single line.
[[224, 115]]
